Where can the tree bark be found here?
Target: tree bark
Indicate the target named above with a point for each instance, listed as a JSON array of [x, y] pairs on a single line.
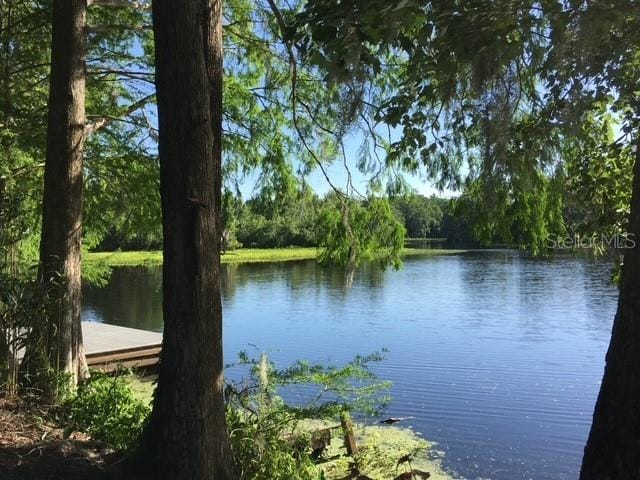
[[60, 246], [613, 447], [186, 437]]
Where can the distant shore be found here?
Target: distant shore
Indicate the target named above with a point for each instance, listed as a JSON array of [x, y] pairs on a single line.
[[242, 255]]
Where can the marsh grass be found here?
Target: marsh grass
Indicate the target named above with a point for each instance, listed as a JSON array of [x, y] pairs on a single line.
[[243, 255]]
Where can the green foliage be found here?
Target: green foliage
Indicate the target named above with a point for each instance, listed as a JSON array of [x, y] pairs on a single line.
[[500, 213], [498, 92], [268, 437], [421, 216], [503, 93], [26, 358], [106, 407], [278, 220], [276, 440], [350, 231], [257, 231], [23, 304], [243, 255], [120, 175], [95, 273], [301, 218], [121, 196], [329, 390], [25, 334], [262, 450], [19, 239], [269, 132], [599, 176], [351, 387]]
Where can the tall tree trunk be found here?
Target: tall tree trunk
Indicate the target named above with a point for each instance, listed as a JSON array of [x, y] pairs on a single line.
[[60, 246], [186, 437], [613, 448]]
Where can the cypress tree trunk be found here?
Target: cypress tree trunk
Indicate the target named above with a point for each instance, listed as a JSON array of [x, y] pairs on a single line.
[[60, 246], [186, 437], [613, 448]]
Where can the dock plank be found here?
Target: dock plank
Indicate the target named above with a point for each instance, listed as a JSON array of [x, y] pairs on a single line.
[[101, 337], [107, 346]]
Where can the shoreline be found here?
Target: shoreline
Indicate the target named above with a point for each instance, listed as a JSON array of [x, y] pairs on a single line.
[[388, 442], [242, 255]]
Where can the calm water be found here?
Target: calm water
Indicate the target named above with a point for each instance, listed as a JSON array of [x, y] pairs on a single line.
[[498, 357]]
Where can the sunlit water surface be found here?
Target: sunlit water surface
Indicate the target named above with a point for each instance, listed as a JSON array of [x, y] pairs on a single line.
[[496, 356]]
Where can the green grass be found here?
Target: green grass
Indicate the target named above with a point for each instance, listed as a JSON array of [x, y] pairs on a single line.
[[243, 255], [123, 259], [248, 255]]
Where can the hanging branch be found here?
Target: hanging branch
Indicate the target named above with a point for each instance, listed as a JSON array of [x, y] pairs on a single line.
[[294, 99], [343, 197]]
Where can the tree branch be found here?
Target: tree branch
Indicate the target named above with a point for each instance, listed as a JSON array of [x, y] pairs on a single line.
[[22, 170], [138, 5], [294, 99], [100, 122]]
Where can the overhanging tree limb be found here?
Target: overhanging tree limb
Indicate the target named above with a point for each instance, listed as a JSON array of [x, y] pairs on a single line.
[[294, 100]]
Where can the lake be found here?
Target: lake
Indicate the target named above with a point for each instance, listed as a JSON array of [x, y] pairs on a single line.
[[497, 356]]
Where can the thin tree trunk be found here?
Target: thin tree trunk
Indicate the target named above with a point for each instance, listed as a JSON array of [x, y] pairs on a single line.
[[6, 32], [613, 448], [186, 437], [60, 246]]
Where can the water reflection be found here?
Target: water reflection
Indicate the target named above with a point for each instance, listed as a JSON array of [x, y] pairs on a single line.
[[133, 297], [498, 356]]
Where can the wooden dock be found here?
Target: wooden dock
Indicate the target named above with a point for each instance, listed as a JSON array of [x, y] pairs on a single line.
[[109, 346]]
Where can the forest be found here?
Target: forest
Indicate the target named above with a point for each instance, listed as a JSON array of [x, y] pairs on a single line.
[[262, 222], [210, 128]]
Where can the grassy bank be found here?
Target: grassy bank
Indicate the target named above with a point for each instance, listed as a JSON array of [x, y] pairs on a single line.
[[243, 255]]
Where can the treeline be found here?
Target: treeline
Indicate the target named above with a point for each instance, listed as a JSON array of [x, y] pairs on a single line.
[[475, 218], [266, 222]]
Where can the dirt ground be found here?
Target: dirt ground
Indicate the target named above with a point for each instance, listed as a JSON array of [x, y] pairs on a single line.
[[34, 447]]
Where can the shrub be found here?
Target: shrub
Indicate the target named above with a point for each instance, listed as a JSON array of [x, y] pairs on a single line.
[[106, 407], [273, 440], [262, 450], [23, 306]]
